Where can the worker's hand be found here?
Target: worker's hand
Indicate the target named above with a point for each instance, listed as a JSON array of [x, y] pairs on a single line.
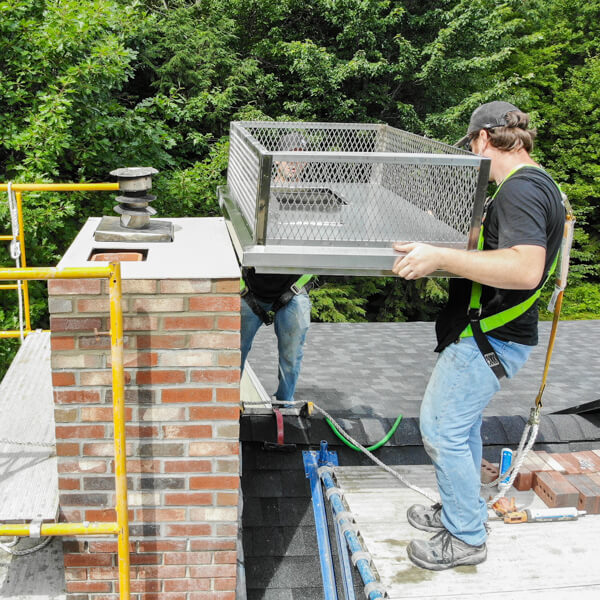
[[420, 260]]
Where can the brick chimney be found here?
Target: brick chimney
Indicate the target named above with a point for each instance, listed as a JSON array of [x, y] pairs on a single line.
[[182, 370]]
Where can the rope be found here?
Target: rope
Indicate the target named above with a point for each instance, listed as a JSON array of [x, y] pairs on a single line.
[[15, 249], [391, 471], [9, 547]]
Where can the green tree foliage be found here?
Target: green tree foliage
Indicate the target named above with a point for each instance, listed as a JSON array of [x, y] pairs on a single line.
[[90, 85]]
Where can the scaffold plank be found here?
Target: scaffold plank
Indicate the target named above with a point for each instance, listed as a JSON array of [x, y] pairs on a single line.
[[556, 561], [28, 471]]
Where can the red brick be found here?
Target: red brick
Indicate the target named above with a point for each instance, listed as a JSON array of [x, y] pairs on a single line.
[[213, 571], [76, 397], [157, 377], [211, 413], [188, 466], [589, 493], [143, 466], [136, 359], [88, 586], [571, 465], [160, 341], [215, 340], [186, 585], [229, 359], [146, 559], [225, 558], [57, 287], [173, 432], [227, 286], [188, 530], [75, 574], [229, 323], [162, 595], [68, 484], [554, 489], [62, 343], [228, 395], [137, 431], [79, 431], [160, 515], [140, 323], [63, 379], [159, 572], [106, 546], [589, 462], [212, 596], [187, 395], [226, 530], [213, 544], [100, 342], [82, 466], [67, 449], [161, 546], [59, 324], [146, 587], [69, 515], [225, 584], [100, 378], [215, 376], [96, 305], [188, 323], [104, 414], [213, 448], [227, 499], [188, 499], [214, 482], [188, 558], [88, 560], [99, 573], [103, 515], [524, 479], [154, 305], [215, 303]]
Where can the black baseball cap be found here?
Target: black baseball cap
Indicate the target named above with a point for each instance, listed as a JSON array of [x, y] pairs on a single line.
[[487, 116]]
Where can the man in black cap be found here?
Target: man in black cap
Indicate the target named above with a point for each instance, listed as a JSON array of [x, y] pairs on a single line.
[[522, 233], [279, 299]]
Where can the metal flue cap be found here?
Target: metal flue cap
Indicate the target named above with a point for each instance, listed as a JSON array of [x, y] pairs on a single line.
[[134, 179]]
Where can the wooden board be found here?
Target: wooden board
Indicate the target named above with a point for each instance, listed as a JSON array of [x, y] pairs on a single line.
[[28, 471], [557, 561]]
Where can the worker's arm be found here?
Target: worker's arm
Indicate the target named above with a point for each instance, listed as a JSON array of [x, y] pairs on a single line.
[[516, 268]]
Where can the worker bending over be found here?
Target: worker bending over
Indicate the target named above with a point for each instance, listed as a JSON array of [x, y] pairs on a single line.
[[522, 232], [279, 299]]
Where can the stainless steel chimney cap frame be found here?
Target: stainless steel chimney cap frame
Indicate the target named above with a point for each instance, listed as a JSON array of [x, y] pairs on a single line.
[[337, 207]]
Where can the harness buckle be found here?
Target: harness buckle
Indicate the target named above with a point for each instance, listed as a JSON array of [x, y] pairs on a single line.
[[295, 289]]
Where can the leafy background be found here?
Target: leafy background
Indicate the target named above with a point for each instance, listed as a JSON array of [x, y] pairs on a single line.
[[87, 86]]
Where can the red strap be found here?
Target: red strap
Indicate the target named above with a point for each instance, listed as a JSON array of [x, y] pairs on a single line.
[[279, 420]]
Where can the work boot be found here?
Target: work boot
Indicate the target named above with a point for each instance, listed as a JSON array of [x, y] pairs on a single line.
[[444, 551], [427, 518]]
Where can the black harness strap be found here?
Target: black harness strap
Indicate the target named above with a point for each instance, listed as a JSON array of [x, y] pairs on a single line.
[[486, 349], [268, 316]]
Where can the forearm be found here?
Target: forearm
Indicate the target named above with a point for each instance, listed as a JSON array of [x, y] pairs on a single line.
[[507, 268], [517, 268]]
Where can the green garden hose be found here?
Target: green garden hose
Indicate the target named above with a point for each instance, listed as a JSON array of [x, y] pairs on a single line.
[[388, 435]]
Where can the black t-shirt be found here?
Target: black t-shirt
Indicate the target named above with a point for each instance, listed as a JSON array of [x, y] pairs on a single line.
[[266, 286], [527, 210]]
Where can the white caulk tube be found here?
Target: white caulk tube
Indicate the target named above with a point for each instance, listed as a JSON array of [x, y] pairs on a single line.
[[567, 513]]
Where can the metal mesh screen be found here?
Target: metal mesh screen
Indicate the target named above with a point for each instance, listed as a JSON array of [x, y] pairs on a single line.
[[354, 184]]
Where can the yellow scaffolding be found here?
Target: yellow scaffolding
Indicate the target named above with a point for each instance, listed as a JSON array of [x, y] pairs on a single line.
[[18, 189], [113, 273]]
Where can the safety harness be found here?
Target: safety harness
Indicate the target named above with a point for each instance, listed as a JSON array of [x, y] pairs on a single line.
[[304, 283], [477, 326]]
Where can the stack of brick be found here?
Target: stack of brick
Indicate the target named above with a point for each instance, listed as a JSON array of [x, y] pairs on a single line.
[[182, 370], [571, 479]]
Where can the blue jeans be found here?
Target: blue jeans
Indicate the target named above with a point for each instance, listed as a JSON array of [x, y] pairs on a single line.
[[291, 325], [459, 389]]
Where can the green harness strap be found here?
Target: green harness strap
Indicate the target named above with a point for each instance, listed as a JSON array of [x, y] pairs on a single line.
[[299, 284], [510, 314]]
